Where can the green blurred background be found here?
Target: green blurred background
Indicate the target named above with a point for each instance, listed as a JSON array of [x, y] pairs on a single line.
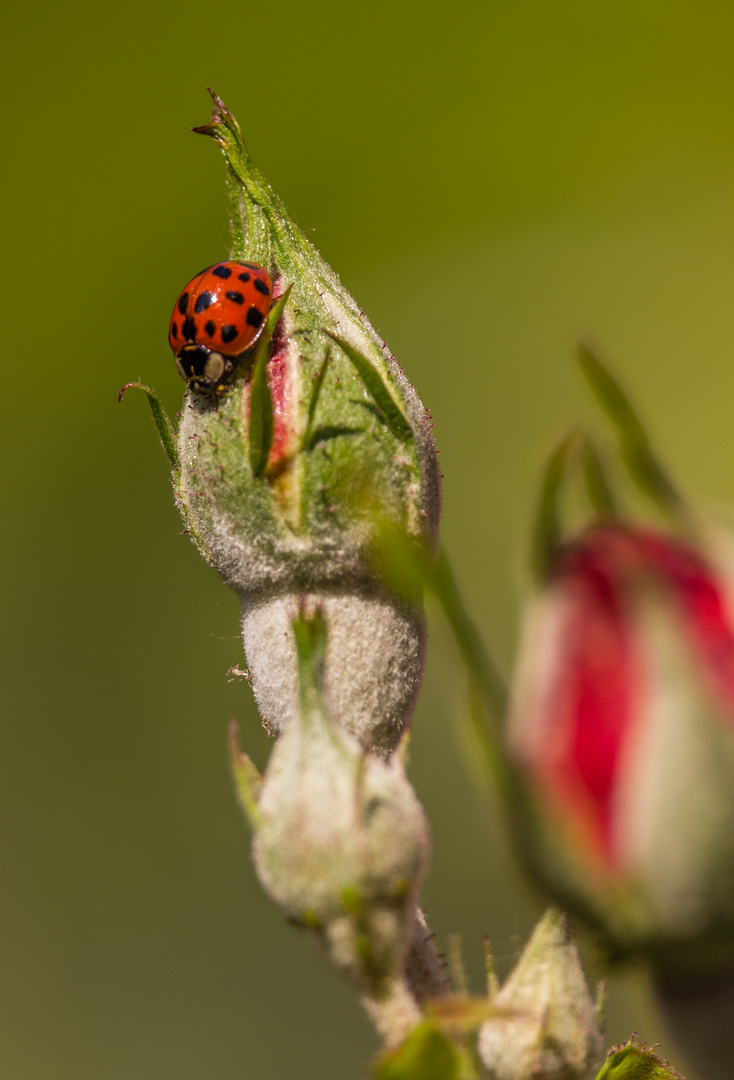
[[533, 171]]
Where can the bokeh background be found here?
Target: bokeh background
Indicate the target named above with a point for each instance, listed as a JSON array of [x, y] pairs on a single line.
[[491, 181]]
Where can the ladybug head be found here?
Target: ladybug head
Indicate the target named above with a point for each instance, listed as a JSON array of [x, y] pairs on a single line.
[[202, 368]]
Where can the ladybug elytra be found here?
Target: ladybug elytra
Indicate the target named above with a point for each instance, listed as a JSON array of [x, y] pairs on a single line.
[[218, 315]]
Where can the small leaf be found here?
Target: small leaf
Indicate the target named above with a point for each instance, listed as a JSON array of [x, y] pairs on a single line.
[[493, 983], [310, 635], [427, 1054], [164, 425], [248, 779], [383, 399], [642, 463], [262, 423], [633, 1062], [547, 532], [251, 199], [598, 488], [318, 383]]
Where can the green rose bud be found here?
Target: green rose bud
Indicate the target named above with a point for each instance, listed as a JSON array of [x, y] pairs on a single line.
[[289, 468]]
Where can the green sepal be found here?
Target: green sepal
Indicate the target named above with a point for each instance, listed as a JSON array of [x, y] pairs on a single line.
[[164, 425], [641, 461], [310, 637], [547, 531], [493, 983], [316, 394], [633, 1062], [403, 563], [393, 416], [247, 777], [250, 232], [426, 1054], [598, 487], [262, 423]]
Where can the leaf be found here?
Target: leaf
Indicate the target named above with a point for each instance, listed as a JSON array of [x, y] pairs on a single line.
[[427, 1054], [310, 636], [318, 383], [383, 399], [262, 423], [247, 777], [636, 1062], [547, 532], [254, 208], [598, 488], [164, 425], [641, 461]]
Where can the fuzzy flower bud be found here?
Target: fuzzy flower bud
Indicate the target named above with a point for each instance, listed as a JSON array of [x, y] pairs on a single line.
[[288, 471], [551, 1026], [341, 841], [623, 729]]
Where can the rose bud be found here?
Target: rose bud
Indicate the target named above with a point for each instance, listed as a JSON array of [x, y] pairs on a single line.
[[293, 455], [623, 730], [341, 840], [548, 1026]]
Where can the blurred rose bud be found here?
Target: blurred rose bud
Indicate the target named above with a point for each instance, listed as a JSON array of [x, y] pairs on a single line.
[[623, 729], [288, 472], [341, 841], [547, 1026]]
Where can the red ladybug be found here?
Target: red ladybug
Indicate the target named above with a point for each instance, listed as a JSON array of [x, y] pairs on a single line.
[[218, 315]]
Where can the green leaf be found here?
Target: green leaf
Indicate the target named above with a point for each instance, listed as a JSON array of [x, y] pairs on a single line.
[[641, 461], [318, 383], [547, 532], [262, 423], [598, 487], [633, 1062], [164, 425], [310, 635], [249, 215], [247, 777], [427, 1054], [383, 399]]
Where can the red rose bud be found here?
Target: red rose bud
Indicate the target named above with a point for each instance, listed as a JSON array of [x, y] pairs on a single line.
[[293, 455], [623, 729]]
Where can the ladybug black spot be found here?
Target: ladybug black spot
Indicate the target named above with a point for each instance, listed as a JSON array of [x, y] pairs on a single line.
[[234, 296], [222, 272], [229, 333], [182, 302], [203, 301], [261, 286], [189, 329], [211, 328], [244, 277], [174, 331], [255, 317]]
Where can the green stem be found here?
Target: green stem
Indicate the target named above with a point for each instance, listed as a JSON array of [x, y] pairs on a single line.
[[488, 692]]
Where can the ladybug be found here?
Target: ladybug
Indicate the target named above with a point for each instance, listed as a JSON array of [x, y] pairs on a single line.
[[218, 315]]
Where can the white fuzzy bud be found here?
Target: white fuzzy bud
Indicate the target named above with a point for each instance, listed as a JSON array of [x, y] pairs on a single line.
[[548, 1024]]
